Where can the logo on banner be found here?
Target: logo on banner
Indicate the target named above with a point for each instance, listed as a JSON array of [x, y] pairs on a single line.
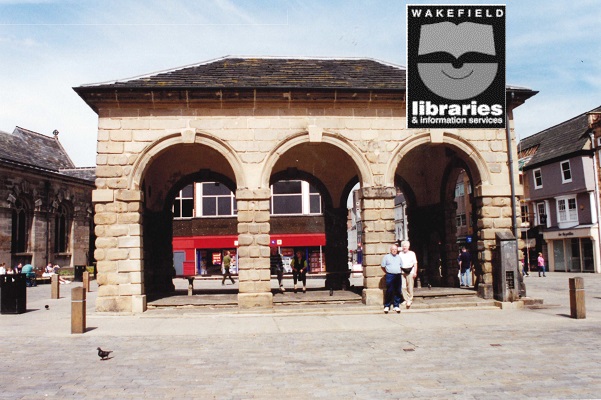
[[455, 66]]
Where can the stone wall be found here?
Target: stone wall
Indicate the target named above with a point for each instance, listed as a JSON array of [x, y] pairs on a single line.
[[251, 140], [43, 194]]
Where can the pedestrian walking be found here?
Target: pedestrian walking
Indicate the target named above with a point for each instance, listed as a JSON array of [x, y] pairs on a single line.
[[277, 266], [541, 265], [465, 266], [227, 263]]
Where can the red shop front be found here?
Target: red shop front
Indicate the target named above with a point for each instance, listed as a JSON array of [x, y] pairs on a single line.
[[202, 255]]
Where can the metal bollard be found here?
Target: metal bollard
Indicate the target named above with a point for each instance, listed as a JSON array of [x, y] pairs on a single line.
[[55, 287], [577, 306], [78, 310], [86, 281]]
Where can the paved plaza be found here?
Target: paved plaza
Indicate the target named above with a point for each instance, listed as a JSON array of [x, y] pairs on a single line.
[[339, 351]]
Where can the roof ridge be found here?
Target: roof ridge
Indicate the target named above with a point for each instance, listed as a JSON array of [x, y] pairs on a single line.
[[563, 122], [75, 168], [230, 57]]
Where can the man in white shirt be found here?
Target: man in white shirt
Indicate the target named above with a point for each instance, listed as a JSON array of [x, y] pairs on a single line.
[[409, 272]]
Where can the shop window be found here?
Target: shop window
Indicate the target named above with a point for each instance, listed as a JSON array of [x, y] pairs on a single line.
[[183, 205], [538, 178], [61, 230], [566, 173], [20, 228]]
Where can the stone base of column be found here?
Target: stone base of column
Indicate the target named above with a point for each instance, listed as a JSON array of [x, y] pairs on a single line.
[[255, 300], [138, 303], [373, 297], [485, 291], [114, 304]]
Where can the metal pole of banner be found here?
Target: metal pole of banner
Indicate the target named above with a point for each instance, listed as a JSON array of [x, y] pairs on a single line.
[[514, 221]]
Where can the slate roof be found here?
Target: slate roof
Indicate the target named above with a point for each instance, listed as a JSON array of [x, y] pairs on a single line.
[[272, 72], [559, 141], [85, 173], [34, 150]]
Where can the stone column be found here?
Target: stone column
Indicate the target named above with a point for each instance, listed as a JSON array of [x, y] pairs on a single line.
[[253, 248], [118, 252], [377, 204], [494, 214]]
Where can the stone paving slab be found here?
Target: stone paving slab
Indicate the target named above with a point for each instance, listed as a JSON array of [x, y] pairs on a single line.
[[185, 353]]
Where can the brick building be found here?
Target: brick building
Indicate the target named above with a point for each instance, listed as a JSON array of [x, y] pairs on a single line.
[[253, 121]]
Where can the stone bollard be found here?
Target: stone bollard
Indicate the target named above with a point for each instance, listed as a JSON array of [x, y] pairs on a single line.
[[190, 285], [86, 281], [78, 310], [55, 287], [577, 306]]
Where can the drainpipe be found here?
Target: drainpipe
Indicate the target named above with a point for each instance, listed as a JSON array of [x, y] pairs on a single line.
[[514, 221], [596, 175]]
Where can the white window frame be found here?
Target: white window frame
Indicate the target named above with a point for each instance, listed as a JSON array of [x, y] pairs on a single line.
[[540, 175], [542, 207], [567, 210], [199, 201], [569, 170], [305, 195], [180, 198]]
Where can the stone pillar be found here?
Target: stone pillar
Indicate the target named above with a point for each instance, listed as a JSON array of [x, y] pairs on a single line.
[[336, 252], [119, 249], [377, 204], [253, 248], [494, 215]]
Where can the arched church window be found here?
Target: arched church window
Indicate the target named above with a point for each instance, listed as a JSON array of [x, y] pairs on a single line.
[[20, 227], [61, 230]]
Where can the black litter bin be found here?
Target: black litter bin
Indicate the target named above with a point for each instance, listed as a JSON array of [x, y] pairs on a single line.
[[13, 294], [78, 271]]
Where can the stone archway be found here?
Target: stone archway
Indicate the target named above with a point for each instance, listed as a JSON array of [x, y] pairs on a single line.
[[134, 222], [335, 166], [429, 163]]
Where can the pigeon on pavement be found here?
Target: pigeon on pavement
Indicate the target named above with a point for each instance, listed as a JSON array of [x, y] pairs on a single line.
[[103, 354]]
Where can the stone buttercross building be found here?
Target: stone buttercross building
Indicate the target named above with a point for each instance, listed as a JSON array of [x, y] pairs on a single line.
[[247, 120]]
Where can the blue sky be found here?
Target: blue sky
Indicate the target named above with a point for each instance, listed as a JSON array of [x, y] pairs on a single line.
[[48, 47]]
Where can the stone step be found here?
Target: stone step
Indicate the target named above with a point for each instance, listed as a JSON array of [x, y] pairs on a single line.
[[323, 301]]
